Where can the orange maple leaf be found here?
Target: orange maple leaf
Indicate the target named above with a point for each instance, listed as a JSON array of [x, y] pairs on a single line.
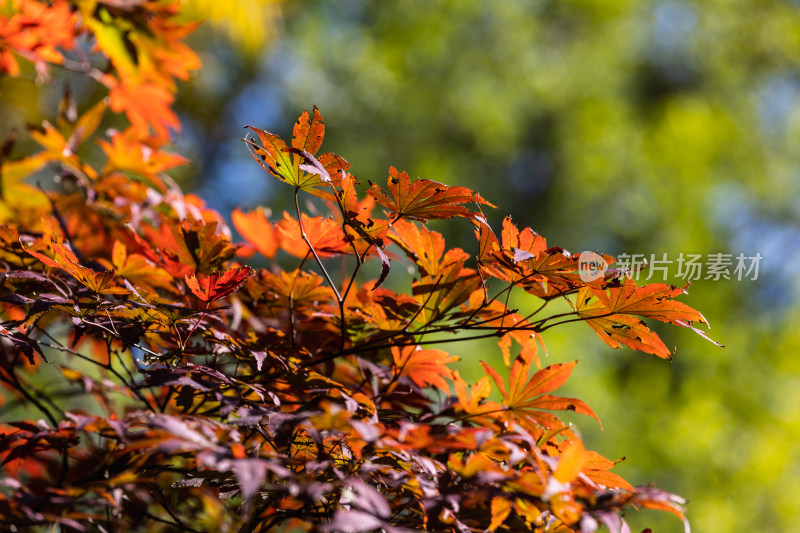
[[297, 165], [36, 31], [424, 367], [257, 230], [424, 199], [610, 313], [147, 105], [217, 285], [655, 300], [421, 245], [324, 234], [525, 398], [65, 259], [129, 153]]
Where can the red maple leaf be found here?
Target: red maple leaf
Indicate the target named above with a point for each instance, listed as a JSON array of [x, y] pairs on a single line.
[[217, 285]]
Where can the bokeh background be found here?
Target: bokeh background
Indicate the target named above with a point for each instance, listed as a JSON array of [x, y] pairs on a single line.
[[649, 127]]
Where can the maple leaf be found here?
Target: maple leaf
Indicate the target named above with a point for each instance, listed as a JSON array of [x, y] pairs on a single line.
[[355, 215], [500, 508], [654, 300], [324, 234], [160, 54], [552, 273], [146, 104], [424, 199], [257, 230], [15, 194], [128, 153], [23, 343], [218, 285], [423, 367], [570, 462], [421, 245], [299, 286], [149, 50], [653, 498], [308, 132], [524, 259], [66, 260], [185, 248], [616, 329], [386, 310], [609, 312], [60, 146], [297, 165], [527, 241], [451, 287], [138, 269], [166, 249], [36, 31], [473, 402], [596, 468], [524, 399]]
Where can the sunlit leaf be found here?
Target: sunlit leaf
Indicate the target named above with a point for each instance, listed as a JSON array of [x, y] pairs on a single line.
[[424, 199], [218, 285]]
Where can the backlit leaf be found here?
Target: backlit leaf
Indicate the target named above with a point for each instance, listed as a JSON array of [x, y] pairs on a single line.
[[218, 285], [65, 259], [324, 235], [525, 398], [424, 367], [424, 199], [257, 230]]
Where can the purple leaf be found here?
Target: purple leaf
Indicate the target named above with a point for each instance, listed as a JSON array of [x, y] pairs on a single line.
[[260, 356], [521, 255], [368, 499], [385, 264], [352, 522], [312, 164], [181, 431], [250, 473], [23, 343], [612, 521]]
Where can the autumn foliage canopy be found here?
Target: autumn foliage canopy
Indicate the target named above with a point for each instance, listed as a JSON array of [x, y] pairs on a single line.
[[167, 384]]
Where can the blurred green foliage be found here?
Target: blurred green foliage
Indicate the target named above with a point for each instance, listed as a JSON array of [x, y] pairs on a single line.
[[653, 127]]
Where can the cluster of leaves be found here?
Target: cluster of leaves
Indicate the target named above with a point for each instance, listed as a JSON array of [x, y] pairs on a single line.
[[175, 388]]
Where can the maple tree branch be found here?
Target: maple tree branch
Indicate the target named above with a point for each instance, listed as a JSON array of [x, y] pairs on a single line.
[[56, 345], [83, 67], [292, 327], [467, 416], [577, 319], [465, 323], [202, 316], [562, 315], [404, 330], [63, 225], [15, 383], [339, 298], [118, 337], [536, 312], [422, 307], [503, 318], [310, 247], [163, 503]]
